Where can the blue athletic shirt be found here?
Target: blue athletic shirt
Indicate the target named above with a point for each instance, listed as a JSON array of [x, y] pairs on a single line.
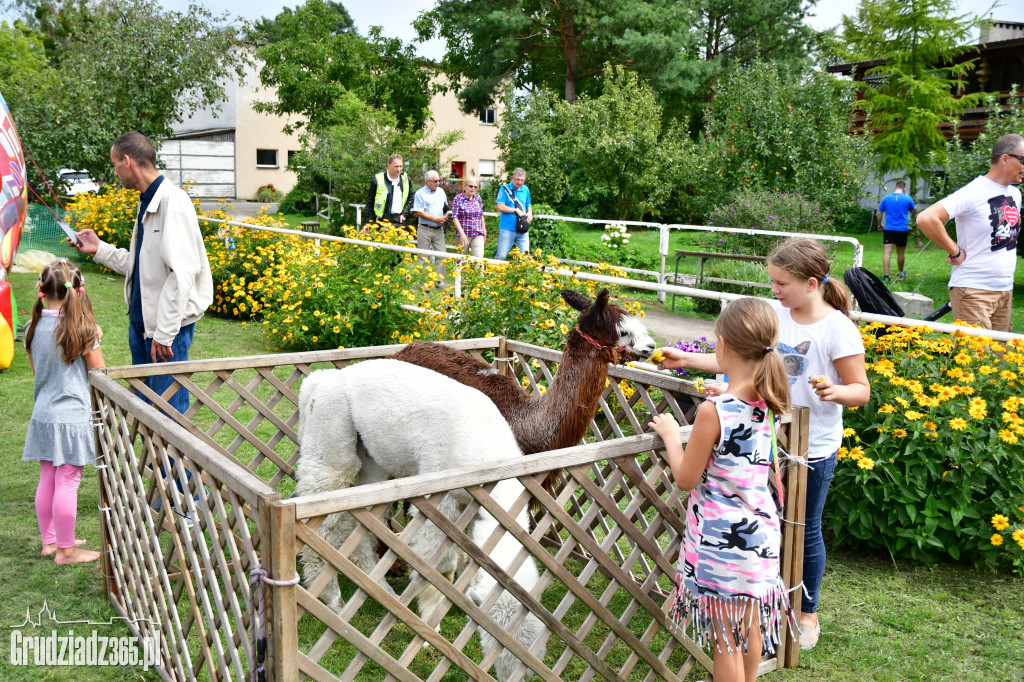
[[897, 207]]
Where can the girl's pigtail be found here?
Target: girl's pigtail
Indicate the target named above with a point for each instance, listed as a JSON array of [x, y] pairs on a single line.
[[836, 295], [772, 383], [37, 311]]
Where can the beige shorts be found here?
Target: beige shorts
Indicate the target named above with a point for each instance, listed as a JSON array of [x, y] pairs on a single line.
[[990, 309]]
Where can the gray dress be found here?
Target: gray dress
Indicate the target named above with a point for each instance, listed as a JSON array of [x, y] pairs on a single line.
[[60, 430]]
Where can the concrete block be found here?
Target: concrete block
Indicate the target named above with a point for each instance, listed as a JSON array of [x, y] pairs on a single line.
[[914, 305]]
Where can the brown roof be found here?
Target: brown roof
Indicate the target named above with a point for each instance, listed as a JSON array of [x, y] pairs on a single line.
[[982, 48]]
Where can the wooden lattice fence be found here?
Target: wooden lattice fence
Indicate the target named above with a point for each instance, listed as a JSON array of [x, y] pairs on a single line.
[[605, 544]]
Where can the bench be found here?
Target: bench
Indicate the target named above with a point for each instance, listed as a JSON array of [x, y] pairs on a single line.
[[703, 256], [310, 225]]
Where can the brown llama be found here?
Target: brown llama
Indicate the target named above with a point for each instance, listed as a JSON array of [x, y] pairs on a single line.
[[604, 333]]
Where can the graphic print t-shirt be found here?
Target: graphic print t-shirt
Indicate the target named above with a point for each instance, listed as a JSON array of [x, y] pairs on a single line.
[[808, 349], [987, 227]]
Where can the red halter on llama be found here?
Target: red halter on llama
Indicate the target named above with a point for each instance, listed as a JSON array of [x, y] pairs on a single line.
[[604, 333]]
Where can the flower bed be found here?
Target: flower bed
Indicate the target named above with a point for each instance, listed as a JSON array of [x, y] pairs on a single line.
[[933, 465]]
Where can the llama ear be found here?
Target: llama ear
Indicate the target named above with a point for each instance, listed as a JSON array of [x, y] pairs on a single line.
[[576, 299], [602, 301]]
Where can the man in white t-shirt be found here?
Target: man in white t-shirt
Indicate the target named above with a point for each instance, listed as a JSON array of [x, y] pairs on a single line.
[[984, 255]]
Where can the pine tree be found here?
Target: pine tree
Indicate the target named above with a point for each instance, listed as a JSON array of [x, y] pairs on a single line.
[[908, 97]]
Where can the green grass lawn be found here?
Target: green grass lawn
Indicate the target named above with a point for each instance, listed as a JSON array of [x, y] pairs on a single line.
[[880, 621]]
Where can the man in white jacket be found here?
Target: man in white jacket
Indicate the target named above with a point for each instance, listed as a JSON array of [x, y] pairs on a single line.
[[168, 285]]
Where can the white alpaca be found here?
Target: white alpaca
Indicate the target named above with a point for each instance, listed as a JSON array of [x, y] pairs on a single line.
[[505, 608], [382, 419]]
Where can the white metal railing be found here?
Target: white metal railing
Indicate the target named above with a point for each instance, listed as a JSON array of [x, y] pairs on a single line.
[[620, 281], [665, 228]]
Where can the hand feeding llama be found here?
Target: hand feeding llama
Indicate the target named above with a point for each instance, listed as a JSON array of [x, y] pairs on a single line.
[[382, 419], [558, 419]]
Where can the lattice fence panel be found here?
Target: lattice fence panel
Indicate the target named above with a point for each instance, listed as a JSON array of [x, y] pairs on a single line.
[[180, 538], [601, 590], [247, 408], [605, 545]]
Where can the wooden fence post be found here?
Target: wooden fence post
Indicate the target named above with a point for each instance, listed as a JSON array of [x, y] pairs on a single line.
[[281, 620]]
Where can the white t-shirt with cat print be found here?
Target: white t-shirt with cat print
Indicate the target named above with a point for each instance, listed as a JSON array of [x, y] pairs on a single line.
[[812, 350]]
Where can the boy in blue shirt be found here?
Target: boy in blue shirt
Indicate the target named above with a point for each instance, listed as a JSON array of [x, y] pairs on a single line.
[[894, 218]]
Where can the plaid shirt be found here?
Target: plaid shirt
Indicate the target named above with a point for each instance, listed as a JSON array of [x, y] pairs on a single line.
[[470, 214]]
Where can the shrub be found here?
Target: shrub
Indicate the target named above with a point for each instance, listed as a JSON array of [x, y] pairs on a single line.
[[615, 236], [301, 198], [553, 237], [932, 465], [762, 210], [240, 259], [783, 129], [341, 295], [268, 193], [518, 299], [110, 214], [739, 271]]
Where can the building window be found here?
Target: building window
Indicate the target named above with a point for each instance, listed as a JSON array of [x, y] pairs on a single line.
[[293, 155], [486, 168], [266, 158], [487, 117]]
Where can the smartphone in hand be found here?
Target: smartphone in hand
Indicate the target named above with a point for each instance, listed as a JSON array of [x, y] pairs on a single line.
[[71, 235]]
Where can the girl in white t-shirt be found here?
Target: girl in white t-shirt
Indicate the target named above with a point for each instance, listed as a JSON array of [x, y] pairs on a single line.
[[823, 354]]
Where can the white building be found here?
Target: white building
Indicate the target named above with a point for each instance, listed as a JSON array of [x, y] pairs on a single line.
[[231, 153]]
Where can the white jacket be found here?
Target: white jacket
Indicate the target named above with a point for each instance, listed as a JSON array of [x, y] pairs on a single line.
[[174, 275]]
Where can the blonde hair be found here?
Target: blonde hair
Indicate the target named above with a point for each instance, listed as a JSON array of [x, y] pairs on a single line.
[[750, 328], [76, 328], [805, 259]]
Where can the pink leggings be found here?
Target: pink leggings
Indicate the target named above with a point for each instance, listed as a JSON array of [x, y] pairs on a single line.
[[57, 503]]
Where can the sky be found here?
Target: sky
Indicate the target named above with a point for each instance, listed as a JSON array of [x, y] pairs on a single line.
[[397, 16]]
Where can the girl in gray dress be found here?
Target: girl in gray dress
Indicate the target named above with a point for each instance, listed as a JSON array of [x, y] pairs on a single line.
[[63, 345]]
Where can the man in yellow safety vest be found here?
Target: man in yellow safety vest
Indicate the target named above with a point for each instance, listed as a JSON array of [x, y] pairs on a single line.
[[389, 197]]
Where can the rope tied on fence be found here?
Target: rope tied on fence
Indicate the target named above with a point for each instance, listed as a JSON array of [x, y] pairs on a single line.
[[257, 576]]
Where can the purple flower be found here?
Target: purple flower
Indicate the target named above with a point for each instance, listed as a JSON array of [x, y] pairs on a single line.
[[702, 345]]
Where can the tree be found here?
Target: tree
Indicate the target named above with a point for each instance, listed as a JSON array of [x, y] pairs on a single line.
[[908, 97], [783, 130], [549, 43], [346, 154], [614, 151], [121, 65], [312, 57], [965, 161], [680, 47]]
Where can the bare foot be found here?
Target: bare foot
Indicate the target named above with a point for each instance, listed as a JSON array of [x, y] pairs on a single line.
[[75, 555], [49, 550]]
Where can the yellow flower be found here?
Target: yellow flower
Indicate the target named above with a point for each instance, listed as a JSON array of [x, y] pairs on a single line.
[[886, 409], [847, 432], [899, 433], [1018, 535], [1000, 522], [857, 452], [1007, 436], [866, 463], [957, 423], [996, 540], [913, 415]]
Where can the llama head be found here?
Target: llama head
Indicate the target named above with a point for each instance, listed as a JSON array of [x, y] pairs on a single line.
[[609, 326]]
